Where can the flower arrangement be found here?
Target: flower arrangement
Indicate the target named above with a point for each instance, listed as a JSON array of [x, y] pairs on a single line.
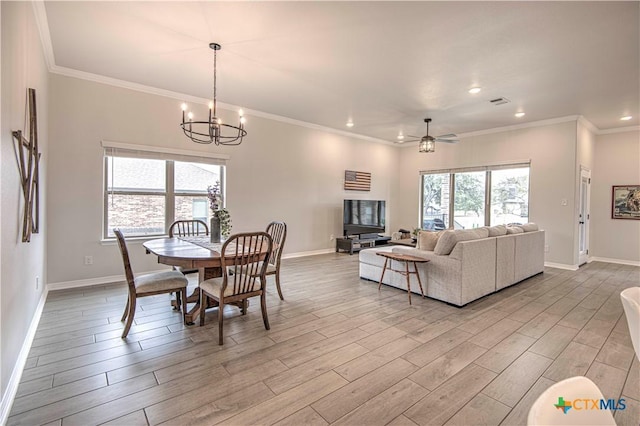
[[217, 211]]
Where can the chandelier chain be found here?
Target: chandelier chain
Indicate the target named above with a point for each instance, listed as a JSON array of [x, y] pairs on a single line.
[[215, 74]]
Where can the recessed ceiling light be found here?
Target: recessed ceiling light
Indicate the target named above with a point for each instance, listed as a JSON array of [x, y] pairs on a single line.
[[519, 114], [400, 136], [626, 118], [475, 90], [349, 123]]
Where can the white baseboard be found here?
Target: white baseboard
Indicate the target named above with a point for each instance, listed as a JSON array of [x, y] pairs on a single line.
[[618, 261], [308, 253], [12, 387], [63, 285], [561, 266]]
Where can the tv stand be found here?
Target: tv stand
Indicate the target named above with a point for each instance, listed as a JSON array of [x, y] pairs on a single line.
[[355, 243]]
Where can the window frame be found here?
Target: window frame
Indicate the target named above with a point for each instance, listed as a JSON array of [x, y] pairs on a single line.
[[170, 157], [487, 194]]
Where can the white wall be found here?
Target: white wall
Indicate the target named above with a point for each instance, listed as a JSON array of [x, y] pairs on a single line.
[[552, 151], [281, 171], [617, 162], [23, 66]]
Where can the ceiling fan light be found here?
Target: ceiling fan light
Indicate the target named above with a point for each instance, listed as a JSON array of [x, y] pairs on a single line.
[[427, 144], [431, 146]]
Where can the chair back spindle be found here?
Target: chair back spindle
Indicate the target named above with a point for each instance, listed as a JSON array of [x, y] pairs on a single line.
[[242, 264], [278, 233], [184, 228]]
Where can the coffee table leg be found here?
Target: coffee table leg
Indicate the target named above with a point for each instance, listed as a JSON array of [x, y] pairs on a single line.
[[386, 259], [406, 271], [415, 268]]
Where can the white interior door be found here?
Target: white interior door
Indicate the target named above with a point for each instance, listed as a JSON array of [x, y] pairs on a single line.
[[583, 216]]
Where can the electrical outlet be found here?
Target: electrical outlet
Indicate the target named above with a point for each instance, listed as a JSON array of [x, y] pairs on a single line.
[[37, 283], [88, 260], [332, 237]]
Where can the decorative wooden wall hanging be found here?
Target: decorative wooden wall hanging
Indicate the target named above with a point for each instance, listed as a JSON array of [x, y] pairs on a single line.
[[357, 181], [28, 162]]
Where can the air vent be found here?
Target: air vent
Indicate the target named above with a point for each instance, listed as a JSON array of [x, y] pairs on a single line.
[[499, 101]]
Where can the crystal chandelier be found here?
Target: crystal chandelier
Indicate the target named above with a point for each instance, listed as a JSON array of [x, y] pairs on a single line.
[[214, 130]]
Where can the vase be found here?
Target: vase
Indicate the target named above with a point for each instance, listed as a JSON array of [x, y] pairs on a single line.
[[214, 229]]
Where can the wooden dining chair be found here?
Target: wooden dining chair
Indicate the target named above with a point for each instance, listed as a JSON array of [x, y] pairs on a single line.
[[148, 285], [186, 228], [183, 228], [278, 233], [243, 276]]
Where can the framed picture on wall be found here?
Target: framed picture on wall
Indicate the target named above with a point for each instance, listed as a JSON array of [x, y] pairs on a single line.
[[625, 202]]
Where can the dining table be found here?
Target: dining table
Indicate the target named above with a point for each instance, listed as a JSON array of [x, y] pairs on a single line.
[[191, 252]]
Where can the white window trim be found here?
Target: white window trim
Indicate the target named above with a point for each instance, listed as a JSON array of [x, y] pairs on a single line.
[[127, 150], [454, 171], [155, 152]]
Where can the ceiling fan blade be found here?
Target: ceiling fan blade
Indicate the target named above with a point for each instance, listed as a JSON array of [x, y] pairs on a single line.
[[448, 138], [407, 140]]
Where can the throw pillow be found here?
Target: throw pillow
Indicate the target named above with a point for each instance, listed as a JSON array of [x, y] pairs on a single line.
[[448, 239], [528, 227], [514, 230], [427, 240], [446, 242]]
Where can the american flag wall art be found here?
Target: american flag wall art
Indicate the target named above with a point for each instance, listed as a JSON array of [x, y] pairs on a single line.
[[357, 181]]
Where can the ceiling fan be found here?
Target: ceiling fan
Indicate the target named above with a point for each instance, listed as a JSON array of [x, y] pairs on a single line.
[[428, 143]]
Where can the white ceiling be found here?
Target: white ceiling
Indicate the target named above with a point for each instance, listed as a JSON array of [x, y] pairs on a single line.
[[385, 65]]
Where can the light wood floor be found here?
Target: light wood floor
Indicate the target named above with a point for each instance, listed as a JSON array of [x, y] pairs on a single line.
[[338, 352]]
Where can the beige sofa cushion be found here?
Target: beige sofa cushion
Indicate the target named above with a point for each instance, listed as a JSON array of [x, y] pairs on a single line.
[[496, 231], [450, 238], [529, 227], [514, 230], [427, 240]]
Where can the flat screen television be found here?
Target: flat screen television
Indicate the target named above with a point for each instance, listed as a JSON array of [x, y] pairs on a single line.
[[363, 217]]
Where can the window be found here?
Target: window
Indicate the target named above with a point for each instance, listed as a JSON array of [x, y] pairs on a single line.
[[509, 196], [468, 199], [475, 197], [435, 201], [145, 191]]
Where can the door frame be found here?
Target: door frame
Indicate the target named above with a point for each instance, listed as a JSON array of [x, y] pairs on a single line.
[[584, 215]]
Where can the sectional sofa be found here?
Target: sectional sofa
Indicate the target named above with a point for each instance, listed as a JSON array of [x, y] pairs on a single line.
[[465, 265]]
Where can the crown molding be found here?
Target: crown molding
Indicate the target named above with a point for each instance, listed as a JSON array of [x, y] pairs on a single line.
[[97, 78], [47, 46], [528, 125], [589, 125], [619, 130], [42, 23]]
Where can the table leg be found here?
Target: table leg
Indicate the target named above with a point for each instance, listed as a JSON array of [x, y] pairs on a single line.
[[386, 259], [203, 274], [406, 274], [415, 268]]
